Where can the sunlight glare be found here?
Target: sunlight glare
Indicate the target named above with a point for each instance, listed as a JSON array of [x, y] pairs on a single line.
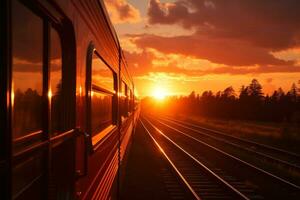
[[159, 93]]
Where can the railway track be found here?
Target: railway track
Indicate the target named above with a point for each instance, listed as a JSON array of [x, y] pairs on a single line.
[[199, 179], [285, 158], [271, 186]]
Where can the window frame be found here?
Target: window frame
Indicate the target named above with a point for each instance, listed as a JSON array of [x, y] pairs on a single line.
[[124, 101], [95, 140]]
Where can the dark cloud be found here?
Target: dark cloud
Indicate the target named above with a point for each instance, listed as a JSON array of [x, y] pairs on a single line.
[[236, 33], [26, 66], [265, 23], [143, 65], [217, 50], [257, 70], [269, 80], [141, 62]]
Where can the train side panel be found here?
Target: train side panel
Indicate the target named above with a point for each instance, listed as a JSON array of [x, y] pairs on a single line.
[[91, 105], [97, 165]]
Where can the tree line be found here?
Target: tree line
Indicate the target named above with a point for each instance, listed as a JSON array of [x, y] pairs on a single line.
[[249, 103]]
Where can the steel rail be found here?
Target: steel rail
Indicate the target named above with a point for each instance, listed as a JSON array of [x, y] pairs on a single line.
[[294, 186], [283, 162], [171, 163], [222, 181], [240, 139]]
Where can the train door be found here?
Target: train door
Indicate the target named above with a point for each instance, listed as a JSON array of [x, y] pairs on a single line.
[[40, 124]]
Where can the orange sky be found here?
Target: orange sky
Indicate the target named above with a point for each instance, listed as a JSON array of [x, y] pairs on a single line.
[[184, 45]]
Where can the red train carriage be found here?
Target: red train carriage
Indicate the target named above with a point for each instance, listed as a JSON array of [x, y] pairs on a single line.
[[67, 100]]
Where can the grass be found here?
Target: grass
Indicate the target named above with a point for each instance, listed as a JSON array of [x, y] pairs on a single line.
[[282, 135]]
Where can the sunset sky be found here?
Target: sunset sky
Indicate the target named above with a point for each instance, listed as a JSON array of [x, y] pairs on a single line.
[[184, 45]]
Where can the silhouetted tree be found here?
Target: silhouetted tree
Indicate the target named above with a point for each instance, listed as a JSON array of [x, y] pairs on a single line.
[[293, 93], [255, 89], [249, 104], [229, 93]]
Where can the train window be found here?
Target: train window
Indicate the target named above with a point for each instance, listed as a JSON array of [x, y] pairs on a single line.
[[123, 88], [123, 100], [131, 101], [56, 82], [102, 75], [128, 101], [101, 111], [102, 99], [27, 71]]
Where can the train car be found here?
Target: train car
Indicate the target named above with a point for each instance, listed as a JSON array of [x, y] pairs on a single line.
[[67, 105]]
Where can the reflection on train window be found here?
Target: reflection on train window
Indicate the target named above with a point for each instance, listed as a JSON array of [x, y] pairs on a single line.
[[102, 97], [101, 75], [101, 111], [56, 82], [27, 53]]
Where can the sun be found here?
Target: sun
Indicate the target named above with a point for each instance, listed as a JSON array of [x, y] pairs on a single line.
[[159, 93]]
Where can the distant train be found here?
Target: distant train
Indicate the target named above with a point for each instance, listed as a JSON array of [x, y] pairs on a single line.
[[67, 105]]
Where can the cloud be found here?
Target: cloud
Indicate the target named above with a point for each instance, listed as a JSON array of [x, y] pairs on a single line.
[[269, 24], [233, 37], [144, 63], [269, 80], [217, 50], [20, 65], [234, 33], [140, 61], [122, 12], [27, 65], [254, 70]]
